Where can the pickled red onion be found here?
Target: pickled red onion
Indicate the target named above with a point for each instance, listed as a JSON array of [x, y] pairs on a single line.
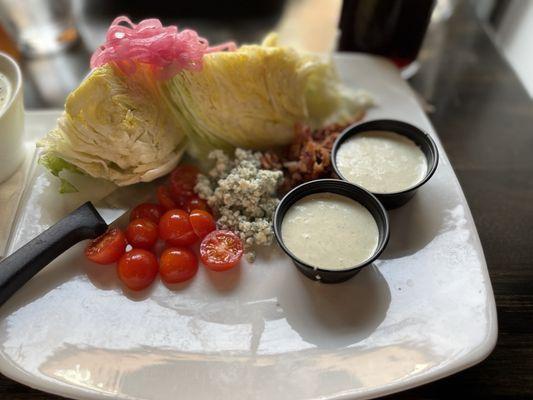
[[163, 48]]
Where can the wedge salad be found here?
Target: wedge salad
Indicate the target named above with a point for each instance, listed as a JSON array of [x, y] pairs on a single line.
[[256, 120]]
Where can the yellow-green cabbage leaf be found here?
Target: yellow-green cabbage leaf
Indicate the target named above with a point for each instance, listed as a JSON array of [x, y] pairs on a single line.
[[129, 129], [117, 128], [252, 97]]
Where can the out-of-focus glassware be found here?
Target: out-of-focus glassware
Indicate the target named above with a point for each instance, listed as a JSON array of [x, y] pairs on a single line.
[[39, 27], [444, 10], [11, 117], [391, 28]]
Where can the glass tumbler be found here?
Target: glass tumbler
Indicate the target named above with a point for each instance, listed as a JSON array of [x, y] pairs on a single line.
[[39, 27]]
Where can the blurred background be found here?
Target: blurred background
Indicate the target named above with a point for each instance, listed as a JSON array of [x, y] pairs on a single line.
[[53, 39]]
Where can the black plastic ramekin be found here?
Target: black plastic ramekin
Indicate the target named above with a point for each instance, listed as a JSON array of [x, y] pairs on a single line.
[[343, 188], [422, 139]]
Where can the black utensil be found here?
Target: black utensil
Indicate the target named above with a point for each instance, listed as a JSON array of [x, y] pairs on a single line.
[[86, 222]]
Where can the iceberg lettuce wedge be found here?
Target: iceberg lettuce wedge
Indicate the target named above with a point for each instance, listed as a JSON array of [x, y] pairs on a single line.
[[252, 97], [135, 128], [117, 128]]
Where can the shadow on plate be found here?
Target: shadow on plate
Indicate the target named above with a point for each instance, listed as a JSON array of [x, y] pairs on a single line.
[[139, 295], [335, 315], [412, 227], [52, 276], [176, 287], [225, 281], [105, 277]]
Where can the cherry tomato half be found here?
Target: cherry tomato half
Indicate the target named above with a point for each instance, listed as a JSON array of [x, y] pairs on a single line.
[[142, 232], [221, 250], [148, 210], [175, 228], [137, 269], [107, 248], [165, 199], [202, 223], [177, 264], [196, 203]]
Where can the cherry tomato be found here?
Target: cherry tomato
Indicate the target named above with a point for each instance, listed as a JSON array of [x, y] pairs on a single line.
[[177, 264], [148, 210], [181, 200], [175, 228], [164, 198], [186, 175], [137, 269], [221, 250], [142, 233], [107, 248], [196, 203], [202, 223], [182, 180]]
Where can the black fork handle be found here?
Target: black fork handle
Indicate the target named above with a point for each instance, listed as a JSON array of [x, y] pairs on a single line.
[[18, 268]]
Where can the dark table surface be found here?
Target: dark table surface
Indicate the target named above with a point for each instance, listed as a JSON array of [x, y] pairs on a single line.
[[484, 118]]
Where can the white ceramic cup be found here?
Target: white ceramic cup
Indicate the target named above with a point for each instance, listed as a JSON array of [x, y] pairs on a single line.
[[11, 120]]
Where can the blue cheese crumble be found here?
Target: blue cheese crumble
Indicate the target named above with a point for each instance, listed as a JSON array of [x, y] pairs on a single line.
[[242, 195]]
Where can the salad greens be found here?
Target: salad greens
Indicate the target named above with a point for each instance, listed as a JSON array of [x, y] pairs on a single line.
[[252, 98], [117, 128], [56, 165], [133, 128]]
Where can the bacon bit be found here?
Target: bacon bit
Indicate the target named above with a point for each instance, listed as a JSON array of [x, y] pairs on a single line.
[[308, 157], [165, 49]]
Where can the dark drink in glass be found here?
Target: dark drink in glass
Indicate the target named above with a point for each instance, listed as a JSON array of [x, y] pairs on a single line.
[[391, 28]]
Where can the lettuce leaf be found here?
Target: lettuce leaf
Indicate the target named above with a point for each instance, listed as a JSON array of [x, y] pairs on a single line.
[[129, 129], [252, 98], [118, 128], [56, 165]]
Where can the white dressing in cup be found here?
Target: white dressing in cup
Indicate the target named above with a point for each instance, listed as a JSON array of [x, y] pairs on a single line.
[[381, 161], [330, 231]]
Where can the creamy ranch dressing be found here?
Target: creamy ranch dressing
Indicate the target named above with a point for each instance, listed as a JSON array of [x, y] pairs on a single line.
[[330, 231], [381, 161], [5, 91]]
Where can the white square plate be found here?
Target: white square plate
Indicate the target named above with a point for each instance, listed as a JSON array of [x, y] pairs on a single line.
[[423, 311]]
